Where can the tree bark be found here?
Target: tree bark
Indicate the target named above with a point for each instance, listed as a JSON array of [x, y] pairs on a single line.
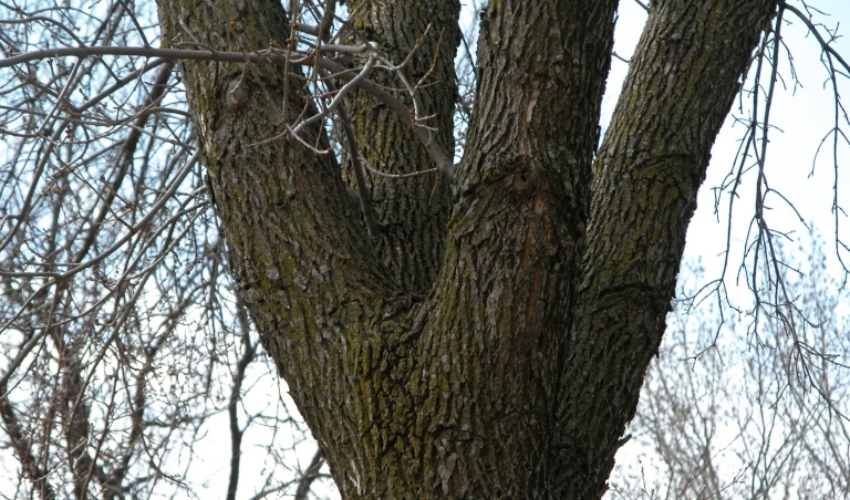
[[682, 80], [413, 211], [509, 363]]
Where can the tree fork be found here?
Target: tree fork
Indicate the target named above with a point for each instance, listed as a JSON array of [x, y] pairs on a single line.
[[515, 377]]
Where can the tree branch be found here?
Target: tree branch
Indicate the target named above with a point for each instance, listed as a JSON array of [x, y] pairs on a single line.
[[270, 56]]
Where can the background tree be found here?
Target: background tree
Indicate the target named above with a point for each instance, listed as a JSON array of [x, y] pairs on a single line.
[[479, 329], [758, 414]]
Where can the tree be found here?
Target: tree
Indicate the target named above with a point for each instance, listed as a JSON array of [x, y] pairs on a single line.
[[452, 331]]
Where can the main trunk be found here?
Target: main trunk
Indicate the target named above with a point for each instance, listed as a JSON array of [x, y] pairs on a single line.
[[497, 352]]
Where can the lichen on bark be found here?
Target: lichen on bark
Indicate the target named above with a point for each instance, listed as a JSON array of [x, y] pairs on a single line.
[[490, 344]]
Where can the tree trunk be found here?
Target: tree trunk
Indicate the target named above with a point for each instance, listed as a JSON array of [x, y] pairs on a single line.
[[499, 354]]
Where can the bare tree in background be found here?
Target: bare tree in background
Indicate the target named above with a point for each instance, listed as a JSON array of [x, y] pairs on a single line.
[[180, 186], [730, 414]]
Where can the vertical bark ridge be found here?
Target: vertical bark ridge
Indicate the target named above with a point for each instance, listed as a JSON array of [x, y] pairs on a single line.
[[412, 212], [683, 78], [490, 350], [542, 73]]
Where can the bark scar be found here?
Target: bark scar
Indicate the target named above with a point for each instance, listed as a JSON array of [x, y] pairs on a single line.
[[534, 95]]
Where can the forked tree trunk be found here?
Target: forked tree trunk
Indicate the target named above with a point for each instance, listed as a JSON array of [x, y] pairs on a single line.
[[499, 354]]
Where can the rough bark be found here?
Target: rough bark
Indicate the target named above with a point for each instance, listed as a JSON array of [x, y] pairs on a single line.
[[515, 375], [682, 80], [412, 212], [505, 293]]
